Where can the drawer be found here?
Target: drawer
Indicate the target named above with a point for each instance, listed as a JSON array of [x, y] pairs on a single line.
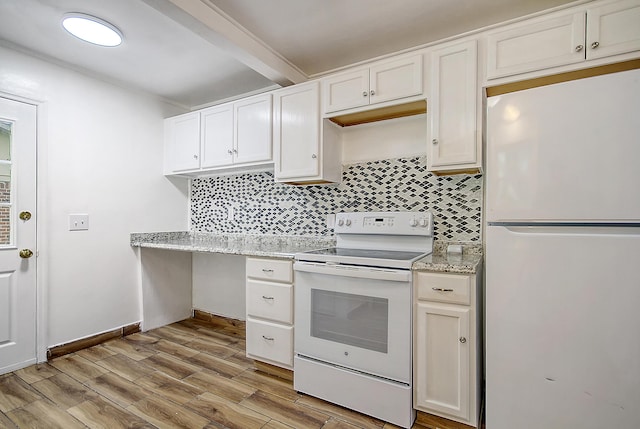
[[270, 300], [270, 341], [453, 288], [270, 269]]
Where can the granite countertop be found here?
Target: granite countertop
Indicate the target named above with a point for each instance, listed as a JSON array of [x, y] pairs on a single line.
[[467, 262], [286, 246], [273, 246]]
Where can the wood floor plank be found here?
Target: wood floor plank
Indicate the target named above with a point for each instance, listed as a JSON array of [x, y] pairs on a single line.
[[64, 391], [95, 353], [170, 388], [43, 414], [285, 411], [14, 393], [126, 367], [174, 367], [228, 414], [274, 424], [222, 386], [77, 367], [175, 349], [341, 413], [99, 413], [212, 347], [129, 349], [268, 384], [176, 333], [220, 366], [118, 389], [334, 423], [6, 423], [165, 414], [34, 373]]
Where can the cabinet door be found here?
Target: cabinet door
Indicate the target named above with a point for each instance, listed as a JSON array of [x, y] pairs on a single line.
[[217, 136], [537, 44], [297, 131], [442, 353], [345, 91], [613, 28], [252, 126], [396, 79], [182, 144], [452, 107]]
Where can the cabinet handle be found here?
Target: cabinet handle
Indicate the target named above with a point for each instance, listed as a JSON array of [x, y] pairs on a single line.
[[272, 339], [267, 297], [434, 141], [439, 289], [463, 340], [579, 48], [235, 151], [230, 152], [364, 93], [267, 270], [314, 156], [195, 156], [373, 92], [595, 45]]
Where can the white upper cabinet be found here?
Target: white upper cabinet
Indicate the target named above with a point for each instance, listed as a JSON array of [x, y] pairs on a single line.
[[306, 147], [613, 28], [564, 38], [182, 143], [220, 138], [217, 136], [252, 129], [452, 133], [381, 82]]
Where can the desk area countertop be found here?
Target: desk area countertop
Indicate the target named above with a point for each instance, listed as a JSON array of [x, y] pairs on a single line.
[[286, 246], [272, 246]]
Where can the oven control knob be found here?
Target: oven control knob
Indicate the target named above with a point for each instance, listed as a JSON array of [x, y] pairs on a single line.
[[348, 222], [340, 222], [413, 222], [423, 222]]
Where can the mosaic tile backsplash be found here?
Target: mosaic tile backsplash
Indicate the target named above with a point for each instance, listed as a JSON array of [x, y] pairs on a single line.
[[262, 206]]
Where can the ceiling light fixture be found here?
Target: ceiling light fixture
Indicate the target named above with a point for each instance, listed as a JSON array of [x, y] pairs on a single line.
[[91, 29]]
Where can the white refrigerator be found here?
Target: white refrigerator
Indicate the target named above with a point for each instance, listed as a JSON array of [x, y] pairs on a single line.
[[563, 256]]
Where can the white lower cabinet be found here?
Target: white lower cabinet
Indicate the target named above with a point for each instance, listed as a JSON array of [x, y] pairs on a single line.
[[447, 360], [270, 311]]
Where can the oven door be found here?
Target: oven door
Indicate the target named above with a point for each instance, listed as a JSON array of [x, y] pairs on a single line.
[[355, 317]]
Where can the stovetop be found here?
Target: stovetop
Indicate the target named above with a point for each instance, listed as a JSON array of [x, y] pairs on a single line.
[[368, 253]]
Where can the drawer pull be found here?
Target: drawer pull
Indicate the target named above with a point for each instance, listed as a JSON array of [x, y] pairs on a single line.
[[439, 289], [267, 297], [267, 270], [268, 338]]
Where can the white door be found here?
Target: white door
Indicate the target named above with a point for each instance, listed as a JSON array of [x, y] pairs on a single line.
[[442, 367], [581, 165], [17, 235], [562, 327], [252, 129], [217, 136]]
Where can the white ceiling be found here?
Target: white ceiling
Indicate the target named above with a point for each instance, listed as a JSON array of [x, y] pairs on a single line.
[[195, 52]]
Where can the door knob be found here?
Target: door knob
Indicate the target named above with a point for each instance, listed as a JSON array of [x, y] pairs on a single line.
[[463, 340], [25, 215], [26, 253]]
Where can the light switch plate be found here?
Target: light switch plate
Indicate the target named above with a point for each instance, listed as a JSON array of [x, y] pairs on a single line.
[[78, 222]]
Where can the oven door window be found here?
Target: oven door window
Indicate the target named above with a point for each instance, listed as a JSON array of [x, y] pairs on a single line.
[[356, 320]]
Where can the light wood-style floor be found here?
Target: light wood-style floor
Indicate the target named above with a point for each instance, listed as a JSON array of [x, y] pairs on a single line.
[[186, 375]]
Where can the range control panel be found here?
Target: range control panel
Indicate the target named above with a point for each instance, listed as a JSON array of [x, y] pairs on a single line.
[[392, 223]]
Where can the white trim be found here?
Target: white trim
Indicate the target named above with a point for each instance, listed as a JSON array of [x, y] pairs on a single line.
[[42, 265]]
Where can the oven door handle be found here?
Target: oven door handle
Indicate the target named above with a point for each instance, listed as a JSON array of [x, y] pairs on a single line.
[[353, 271]]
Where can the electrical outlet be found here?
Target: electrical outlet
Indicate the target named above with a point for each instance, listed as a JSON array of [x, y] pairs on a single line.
[[230, 213], [331, 221], [78, 222]]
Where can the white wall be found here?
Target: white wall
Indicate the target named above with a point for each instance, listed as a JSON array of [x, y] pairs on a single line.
[[99, 152], [393, 138]]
